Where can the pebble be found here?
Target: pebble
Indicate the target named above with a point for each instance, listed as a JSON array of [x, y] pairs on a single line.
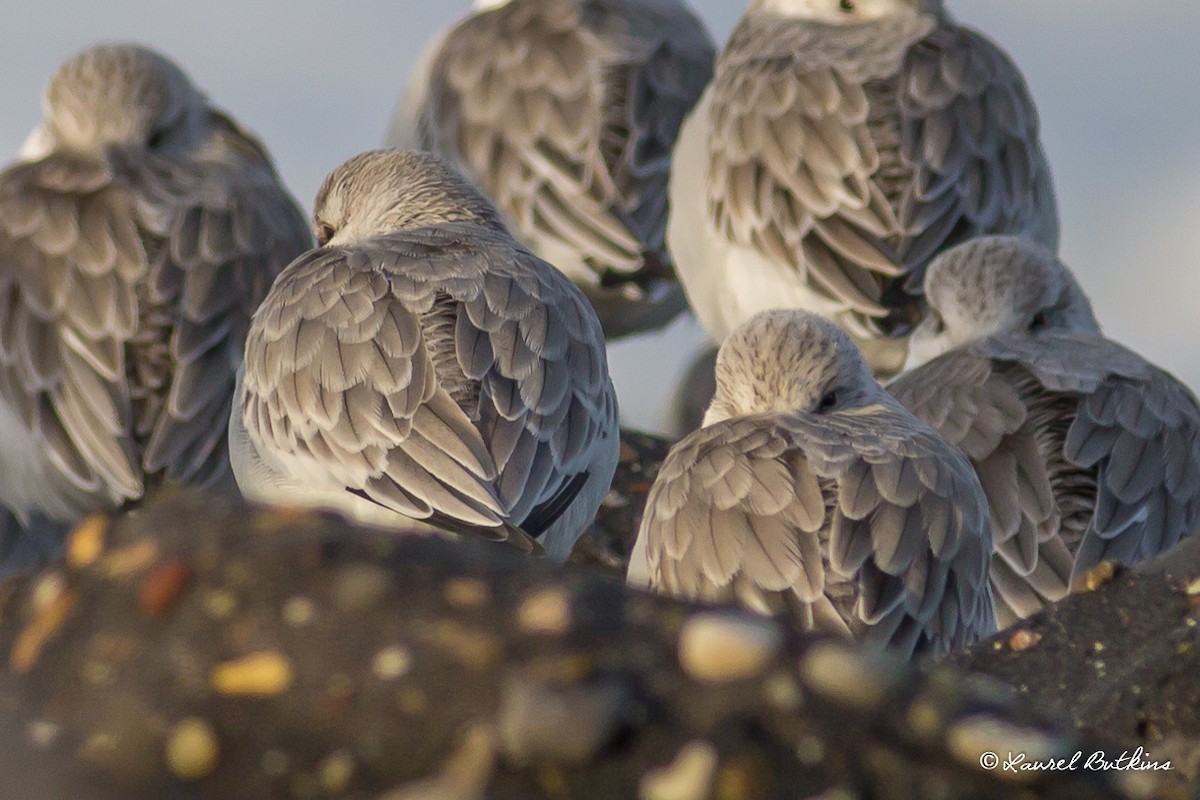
[[724, 646], [46, 623], [1023, 640], [970, 738], [299, 611], [358, 587], [563, 724], [263, 674], [1096, 577], [392, 662], [846, 677], [688, 777], [87, 541], [467, 592], [546, 612], [336, 771], [163, 587], [192, 750]]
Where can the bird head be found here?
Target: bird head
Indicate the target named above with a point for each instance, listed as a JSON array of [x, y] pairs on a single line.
[[386, 191], [788, 361], [119, 95], [997, 286]]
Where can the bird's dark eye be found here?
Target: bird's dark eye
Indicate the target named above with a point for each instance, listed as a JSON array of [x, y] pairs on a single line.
[[156, 139], [1040, 321], [939, 324], [827, 402], [847, 6], [324, 233]]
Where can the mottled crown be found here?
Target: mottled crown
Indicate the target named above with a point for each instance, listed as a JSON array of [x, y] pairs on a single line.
[[1002, 283], [846, 12], [385, 191], [788, 361], [994, 286], [118, 94]]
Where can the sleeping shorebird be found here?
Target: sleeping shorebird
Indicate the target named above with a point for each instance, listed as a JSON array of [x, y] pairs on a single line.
[[138, 232], [1086, 451], [564, 112], [810, 492], [421, 365], [840, 146]]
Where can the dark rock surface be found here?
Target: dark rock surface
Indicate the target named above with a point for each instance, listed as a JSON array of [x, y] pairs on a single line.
[[205, 649], [610, 539], [1120, 659]]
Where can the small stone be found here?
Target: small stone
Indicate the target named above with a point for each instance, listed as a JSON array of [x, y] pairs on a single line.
[[219, 604], [546, 612], [474, 648], [262, 674], [467, 592], [970, 739], [87, 541], [1193, 593], [723, 646], [130, 560], [299, 611], [614, 500], [43, 733], [561, 724], [924, 719], [1023, 639], [810, 750], [192, 749], [358, 587], [391, 663], [45, 624], [336, 772], [47, 590], [163, 587], [846, 677], [1095, 577], [782, 692], [688, 777]]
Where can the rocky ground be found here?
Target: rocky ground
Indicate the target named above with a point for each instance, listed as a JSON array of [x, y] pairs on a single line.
[[200, 648]]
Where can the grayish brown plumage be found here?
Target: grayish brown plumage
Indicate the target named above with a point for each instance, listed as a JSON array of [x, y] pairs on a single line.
[[811, 491], [839, 147], [1085, 450], [564, 112], [137, 234], [422, 365]]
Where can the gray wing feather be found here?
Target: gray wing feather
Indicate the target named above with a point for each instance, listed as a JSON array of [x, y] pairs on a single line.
[[62, 367], [788, 511], [482, 432], [128, 286], [969, 130], [854, 155], [566, 117], [1081, 448]]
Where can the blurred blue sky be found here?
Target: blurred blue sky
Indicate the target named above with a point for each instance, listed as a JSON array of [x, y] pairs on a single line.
[[1115, 82]]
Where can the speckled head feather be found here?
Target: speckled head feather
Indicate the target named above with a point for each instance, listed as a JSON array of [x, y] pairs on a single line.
[[122, 94], [846, 12], [385, 191], [993, 286], [785, 361]]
